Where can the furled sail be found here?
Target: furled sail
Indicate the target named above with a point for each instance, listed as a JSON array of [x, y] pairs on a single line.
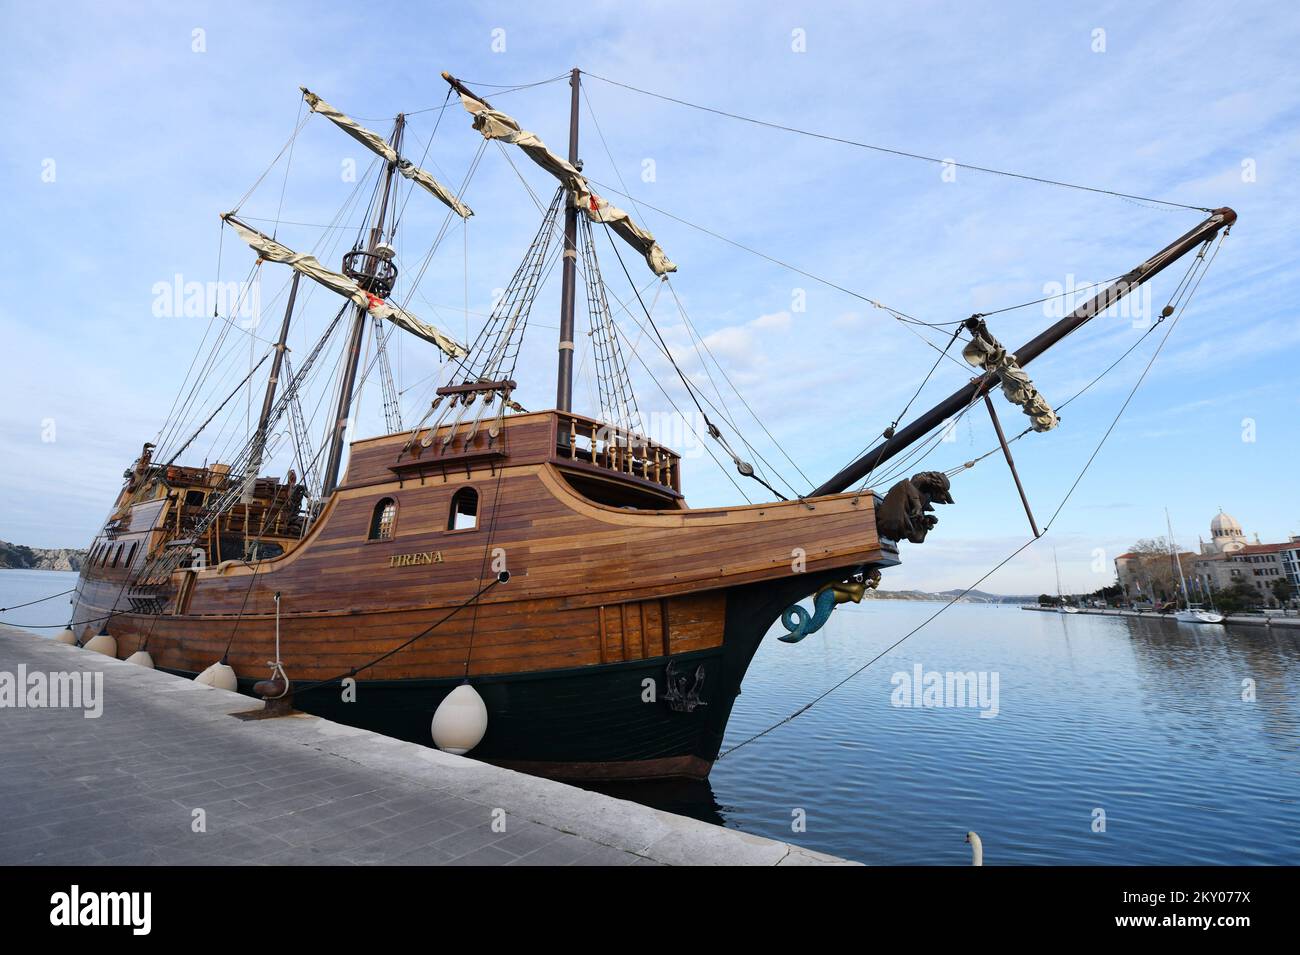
[[986, 352], [272, 251], [494, 124], [377, 144]]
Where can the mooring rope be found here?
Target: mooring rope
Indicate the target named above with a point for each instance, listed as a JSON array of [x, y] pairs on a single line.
[[40, 600], [502, 578]]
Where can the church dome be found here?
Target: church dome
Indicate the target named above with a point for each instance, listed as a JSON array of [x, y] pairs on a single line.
[[1225, 525]]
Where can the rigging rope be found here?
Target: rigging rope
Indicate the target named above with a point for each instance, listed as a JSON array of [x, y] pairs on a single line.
[[444, 106], [736, 391], [1180, 296], [238, 389], [617, 400], [899, 152], [742, 466], [694, 334], [1046, 527], [893, 425], [906, 320], [423, 633], [896, 313], [37, 601]]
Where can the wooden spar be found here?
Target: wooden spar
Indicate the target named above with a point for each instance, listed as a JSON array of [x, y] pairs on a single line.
[[460, 87], [568, 281], [344, 409], [1011, 463], [905, 437]]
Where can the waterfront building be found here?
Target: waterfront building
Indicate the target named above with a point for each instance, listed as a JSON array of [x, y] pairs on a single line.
[[1225, 560]]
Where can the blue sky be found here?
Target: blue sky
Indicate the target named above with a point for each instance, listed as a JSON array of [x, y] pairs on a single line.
[[150, 140]]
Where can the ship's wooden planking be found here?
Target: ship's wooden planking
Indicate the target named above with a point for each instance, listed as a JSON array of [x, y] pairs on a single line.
[[590, 583]]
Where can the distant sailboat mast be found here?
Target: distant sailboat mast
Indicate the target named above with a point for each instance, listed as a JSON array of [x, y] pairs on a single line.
[[1178, 561], [1061, 605], [1190, 613]]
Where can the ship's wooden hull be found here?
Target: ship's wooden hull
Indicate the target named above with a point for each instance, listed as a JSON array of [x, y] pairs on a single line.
[[598, 722], [574, 655]]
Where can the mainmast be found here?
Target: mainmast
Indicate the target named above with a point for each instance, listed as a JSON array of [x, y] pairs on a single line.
[[374, 271], [568, 281], [496, 125]]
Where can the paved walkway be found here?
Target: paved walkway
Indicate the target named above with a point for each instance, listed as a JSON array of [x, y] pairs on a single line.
[[123, 788]]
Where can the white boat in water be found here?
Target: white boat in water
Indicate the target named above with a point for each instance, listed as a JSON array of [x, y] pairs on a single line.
[[1197, 614], [1192, 613], [1061, 607]]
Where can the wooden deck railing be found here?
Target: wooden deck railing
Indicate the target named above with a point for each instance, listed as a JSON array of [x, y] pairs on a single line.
[[616, 449]]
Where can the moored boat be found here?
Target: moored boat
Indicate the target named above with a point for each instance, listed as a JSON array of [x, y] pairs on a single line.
[[1190, 612], [548, 559]]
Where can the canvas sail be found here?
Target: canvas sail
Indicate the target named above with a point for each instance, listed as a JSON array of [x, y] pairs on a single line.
[[272, 251], [494, 124], [983, 351], [377, 144]]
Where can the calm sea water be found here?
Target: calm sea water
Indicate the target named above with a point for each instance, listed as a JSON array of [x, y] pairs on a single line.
[[1142, 719], [20, 586]]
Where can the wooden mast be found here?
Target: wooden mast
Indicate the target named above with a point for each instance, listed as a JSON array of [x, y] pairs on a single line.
[[268, 399], [894, 444], [280, 348], [568, 281], [344, 408], [568, 275]]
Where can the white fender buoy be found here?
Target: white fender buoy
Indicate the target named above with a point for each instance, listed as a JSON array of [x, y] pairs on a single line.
[[976, 848], [141, 658], [66, 636], [103, 642], [460, 721], [220, 675]]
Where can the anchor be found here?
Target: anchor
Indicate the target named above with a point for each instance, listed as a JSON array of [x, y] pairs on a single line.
[[800, 623]]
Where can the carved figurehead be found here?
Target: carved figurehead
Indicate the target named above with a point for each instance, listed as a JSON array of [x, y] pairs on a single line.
[[905, 512]]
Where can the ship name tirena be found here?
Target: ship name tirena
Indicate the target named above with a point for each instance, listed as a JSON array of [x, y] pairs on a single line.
[[413, 560]]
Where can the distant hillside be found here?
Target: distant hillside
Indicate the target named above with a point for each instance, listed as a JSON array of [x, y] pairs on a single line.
[[21, 557], [974, 597]]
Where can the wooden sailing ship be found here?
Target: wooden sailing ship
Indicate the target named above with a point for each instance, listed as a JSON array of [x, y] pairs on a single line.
[[547, 558]]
